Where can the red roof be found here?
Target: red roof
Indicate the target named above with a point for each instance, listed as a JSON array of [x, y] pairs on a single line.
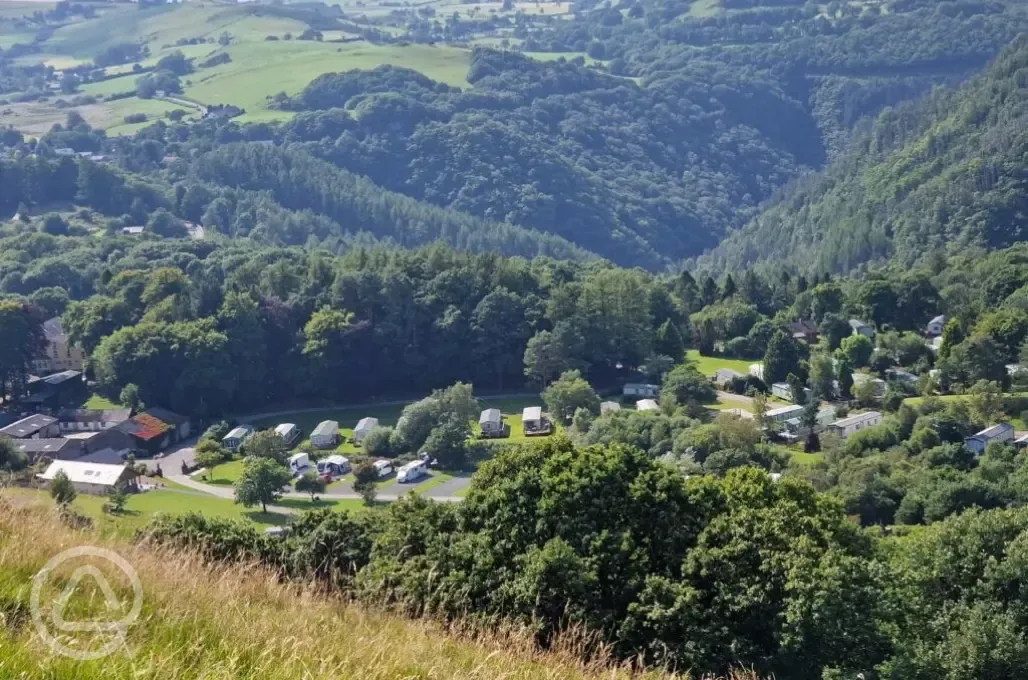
[[149, 427]]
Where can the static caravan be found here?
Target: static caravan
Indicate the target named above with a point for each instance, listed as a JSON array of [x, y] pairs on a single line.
[[534, 423], [325, 435], [644, 390], [411, 472], [1003, 433], [383, 468], [491, 423], [298, 463], [289, 433], [365, 426], [237, 437], [853, 424]]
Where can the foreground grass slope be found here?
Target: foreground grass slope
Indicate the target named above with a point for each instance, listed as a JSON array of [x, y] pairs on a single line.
[[199, 622]]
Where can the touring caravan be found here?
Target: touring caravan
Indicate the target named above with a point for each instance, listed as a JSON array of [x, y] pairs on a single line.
[[383, 468]]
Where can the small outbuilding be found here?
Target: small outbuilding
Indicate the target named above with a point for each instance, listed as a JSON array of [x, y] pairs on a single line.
[[534, 423], [491, 423]]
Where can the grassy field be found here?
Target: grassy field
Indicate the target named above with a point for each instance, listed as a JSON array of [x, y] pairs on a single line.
[[223, 622], [804, 458], [36, 118], [260, 70], [95, 401], [15, 9], [709, 365]]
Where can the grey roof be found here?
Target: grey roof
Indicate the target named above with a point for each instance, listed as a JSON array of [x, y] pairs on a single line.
[[939, 319], [532, 413], [490, 415], [38, 446], [857, 324], [785, 409], [858, 418], [169, 417], [57, 378], [994, 431], [26, 427], [53, 329], [89, 415], [366, 424], [239, 432], [326, 428]]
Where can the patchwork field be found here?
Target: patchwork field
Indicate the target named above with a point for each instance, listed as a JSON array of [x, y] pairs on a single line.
[[36, 118]]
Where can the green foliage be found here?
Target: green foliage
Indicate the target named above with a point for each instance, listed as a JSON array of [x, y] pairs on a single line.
[[261, 482], [857, 350], [266, 444], [379, 442], [568, 394], [684, 384], [61, 489], [311, 483], [12, 458], [781, 358]]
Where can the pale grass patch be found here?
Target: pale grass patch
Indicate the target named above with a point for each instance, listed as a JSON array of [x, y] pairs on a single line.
[[216, 623]]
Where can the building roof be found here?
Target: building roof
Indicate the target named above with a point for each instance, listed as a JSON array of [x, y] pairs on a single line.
[[775, 412], [781, 386], [857, 324], [635, 386], [802, 327], [609, 406], [858, 418], [89, 415], [145, 427], [169, 417], [941, 319], [54, 330], [239, 432], [48, 446], [366, 424], [56, 379], [646, 405], [26, 427], [85, 473], [285, 429], [298, 456], [532, 413], [326, 428], [490, 415], [992, 432], [729, 371]]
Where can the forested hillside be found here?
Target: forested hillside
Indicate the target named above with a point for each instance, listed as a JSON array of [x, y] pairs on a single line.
[[944, 173]]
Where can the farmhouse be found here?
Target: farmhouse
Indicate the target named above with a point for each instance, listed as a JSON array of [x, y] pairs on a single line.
[[38, 426], [644, 390], [491, 423], [325, 435], [1003, 432], [860, 328], [646, 405], [365, 426], [237, 437], [847, 426], [92, 478], [60, 354]]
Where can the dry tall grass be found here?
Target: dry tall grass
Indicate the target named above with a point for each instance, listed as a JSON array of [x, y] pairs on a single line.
[[221, 623]]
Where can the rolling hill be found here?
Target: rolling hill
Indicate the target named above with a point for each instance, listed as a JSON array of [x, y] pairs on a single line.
[[946, 173]]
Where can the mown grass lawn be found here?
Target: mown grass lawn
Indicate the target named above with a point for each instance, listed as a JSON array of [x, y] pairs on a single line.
[[804, 458], [709, 365]]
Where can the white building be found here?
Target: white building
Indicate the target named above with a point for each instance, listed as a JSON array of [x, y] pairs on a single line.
[[780, 415], [325, 435], [646, 405], [92, 478], [861, 421], [365, 426]]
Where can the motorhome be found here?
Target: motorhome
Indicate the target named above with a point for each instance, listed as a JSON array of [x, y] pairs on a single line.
[[412, 471], [383, 468]]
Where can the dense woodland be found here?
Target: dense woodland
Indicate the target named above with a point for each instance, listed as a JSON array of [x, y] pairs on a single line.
[[943, 173]]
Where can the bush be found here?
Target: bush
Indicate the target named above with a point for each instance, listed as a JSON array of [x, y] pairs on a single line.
[[135, 118], [378, 443]]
